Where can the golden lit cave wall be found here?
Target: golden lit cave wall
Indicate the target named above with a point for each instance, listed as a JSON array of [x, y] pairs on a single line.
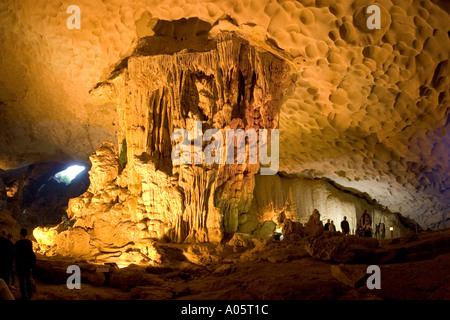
[[297, 197], [228, 84], [349, 74]]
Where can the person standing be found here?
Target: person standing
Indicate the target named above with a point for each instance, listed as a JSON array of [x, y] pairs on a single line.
[[382, 230], [327, 225], [13, 277], [345, 227], [366, 223], [332, 227], [377, 231], [25, 261]]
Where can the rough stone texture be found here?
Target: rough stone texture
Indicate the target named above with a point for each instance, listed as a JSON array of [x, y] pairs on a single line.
[[36, 197], [267, 229], [9, 223], [231, 85], [277, 197], [241, 240], [333, 249], [269, 270], [151, 293], [418, 280], [314, 227], [366, 103], [3, 196], [105, 166], [350, 275], [290, 227], [134, 276]]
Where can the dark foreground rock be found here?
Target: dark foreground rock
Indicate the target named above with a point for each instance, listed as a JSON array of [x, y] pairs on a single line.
[[351, 275], [335, 247], [268, 270]]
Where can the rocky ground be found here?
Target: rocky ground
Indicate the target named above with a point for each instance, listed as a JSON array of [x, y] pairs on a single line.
[[413, 267]]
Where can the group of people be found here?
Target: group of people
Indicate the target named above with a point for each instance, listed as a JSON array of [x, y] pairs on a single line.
[[365, 226], [22, 256], [345, 227]]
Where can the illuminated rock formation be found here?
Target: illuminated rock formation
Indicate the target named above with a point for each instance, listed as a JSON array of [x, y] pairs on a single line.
[[277, 198], [366, 109], [233, 85]]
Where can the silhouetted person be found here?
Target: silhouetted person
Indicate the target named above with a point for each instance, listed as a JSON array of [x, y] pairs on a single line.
[[25, 260], [6, 256], [327, 225], [382, 230], [366, 223], [332, 227], [377, 230], [13, 277], [345, 227]]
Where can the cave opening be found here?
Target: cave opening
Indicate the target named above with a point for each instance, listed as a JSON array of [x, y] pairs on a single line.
[[46, 199], [38, 194], [68, 175]]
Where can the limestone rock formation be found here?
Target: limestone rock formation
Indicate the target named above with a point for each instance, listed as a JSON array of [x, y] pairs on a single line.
[[241, 240], [290, 227], [334, 249], [232, 85], [369, 108], [105, 166], [278, 197], [350, 275], [363, 118], [266, 230], [35, 197], [314, 226]]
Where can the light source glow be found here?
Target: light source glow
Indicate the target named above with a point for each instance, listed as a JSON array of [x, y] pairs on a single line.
[[71, 172]]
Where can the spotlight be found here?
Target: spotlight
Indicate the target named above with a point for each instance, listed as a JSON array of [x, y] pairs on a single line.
[[277, 234]]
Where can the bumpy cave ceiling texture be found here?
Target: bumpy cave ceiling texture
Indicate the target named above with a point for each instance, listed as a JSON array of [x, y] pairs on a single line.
[[367, 109]]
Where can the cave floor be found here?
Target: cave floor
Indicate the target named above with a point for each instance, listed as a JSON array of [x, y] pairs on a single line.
[[276, 271]]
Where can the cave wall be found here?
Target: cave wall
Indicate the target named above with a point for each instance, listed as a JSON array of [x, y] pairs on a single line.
[[366, 104], [277, 198], [233, 85]]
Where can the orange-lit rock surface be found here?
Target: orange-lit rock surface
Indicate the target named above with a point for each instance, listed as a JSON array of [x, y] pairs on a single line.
[[137, 195], [367, 109], [247, 268], [363, 117], [229, 84]]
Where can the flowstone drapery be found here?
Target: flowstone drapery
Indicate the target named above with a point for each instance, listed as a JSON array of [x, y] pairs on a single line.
[[230, 84]]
